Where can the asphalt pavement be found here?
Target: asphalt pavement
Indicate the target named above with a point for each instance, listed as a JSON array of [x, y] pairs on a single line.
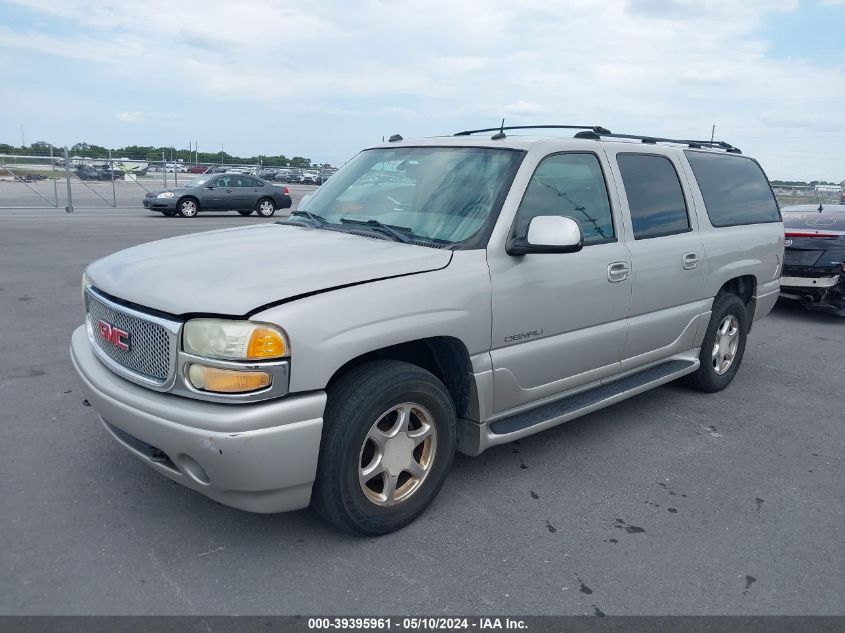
[[673, 502]]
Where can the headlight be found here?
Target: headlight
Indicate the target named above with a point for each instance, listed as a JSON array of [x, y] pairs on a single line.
[[233, 340], [165, 194]]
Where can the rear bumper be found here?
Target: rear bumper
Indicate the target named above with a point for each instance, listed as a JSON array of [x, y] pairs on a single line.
[[809, 282], [823, 292], [256, 457]]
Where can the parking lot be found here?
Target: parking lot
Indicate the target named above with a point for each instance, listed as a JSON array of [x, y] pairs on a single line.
[[126, 194], [674, 502]]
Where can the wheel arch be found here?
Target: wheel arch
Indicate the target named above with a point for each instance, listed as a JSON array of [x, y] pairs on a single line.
[[444, 356], [744, 287], [189, 196]]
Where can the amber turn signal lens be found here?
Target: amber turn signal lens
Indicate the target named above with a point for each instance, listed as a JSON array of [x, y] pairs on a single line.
[[265, 343], [226, 380]]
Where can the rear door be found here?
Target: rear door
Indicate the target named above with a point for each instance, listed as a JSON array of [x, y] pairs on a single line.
[[667, 255], [246, 193]]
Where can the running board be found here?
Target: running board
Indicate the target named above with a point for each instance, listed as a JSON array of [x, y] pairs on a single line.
[[548, 415]]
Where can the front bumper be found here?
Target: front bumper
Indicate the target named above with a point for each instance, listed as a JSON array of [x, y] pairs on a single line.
[[256, 457], [160, 204]]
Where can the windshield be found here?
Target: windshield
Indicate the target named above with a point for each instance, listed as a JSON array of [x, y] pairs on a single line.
[[198, 182], [441, 194]]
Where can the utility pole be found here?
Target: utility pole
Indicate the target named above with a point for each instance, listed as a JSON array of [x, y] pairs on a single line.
[[712, 132], [23, 142]]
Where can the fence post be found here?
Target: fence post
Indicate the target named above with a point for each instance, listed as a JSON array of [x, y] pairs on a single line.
[[55, 186], [69, 207], [111, 171]]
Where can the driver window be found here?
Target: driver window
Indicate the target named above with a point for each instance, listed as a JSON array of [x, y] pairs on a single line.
[[222, 182], [570, 185]]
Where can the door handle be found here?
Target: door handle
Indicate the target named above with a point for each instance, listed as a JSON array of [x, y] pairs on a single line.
[[618, 271], [691, 260]]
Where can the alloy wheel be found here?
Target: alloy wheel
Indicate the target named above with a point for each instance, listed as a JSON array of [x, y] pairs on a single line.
[[726, 344], [397, 454]]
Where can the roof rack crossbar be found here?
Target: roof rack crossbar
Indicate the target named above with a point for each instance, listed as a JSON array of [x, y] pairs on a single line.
[[595, 128]]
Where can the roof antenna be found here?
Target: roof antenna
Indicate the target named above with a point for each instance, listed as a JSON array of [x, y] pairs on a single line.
[[498, 136], [395, 138]]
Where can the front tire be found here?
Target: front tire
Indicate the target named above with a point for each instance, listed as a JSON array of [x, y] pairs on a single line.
[[188, 208], [723, 346], [265, 208], [388, 443]]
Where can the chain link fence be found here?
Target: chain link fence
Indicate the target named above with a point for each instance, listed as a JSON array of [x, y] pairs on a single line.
[[809, 194], [60, 181]]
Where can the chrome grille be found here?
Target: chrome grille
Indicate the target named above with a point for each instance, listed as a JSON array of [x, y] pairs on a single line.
[[151, 346]]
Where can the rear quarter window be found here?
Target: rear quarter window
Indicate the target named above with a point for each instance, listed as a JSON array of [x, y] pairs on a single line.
[[734, 188]]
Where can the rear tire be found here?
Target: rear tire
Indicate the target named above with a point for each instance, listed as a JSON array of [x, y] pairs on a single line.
[[265, 208], [188, 208], [387, 446], [723, 346]]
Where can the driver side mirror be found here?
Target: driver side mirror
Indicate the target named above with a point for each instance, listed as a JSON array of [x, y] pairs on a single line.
[[548, 234]]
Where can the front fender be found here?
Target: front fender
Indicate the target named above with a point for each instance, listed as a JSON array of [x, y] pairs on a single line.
[[329, 329]]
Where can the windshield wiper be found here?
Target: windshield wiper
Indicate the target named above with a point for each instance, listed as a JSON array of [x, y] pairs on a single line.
[[319, 220], [385, 228]]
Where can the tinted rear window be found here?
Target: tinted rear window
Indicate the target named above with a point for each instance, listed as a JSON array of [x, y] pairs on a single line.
[[735, 189], [654, 195]]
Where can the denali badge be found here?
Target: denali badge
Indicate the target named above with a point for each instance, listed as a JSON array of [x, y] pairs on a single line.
[[117, 337], [522, 335]]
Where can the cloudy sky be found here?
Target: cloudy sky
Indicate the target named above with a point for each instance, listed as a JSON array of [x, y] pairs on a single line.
[[325, 78]]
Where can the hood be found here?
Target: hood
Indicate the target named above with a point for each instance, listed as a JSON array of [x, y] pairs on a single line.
[[235, 271], [177, 191], [808, 219]]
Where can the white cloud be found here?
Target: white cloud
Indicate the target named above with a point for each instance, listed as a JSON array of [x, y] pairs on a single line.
[[667, 67], [525, 107], [137, 116]]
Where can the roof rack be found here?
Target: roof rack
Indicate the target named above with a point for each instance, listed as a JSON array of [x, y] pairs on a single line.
[[656, 139], [594, 128], [597, 132]]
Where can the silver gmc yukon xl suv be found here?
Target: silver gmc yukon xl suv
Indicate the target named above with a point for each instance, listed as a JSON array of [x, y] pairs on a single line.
[[435, 295]]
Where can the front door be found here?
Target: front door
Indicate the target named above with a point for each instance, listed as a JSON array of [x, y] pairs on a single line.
[[559, 320], [221, 195]]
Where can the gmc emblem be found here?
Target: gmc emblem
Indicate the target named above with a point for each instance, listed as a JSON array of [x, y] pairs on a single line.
[[117, 337]]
